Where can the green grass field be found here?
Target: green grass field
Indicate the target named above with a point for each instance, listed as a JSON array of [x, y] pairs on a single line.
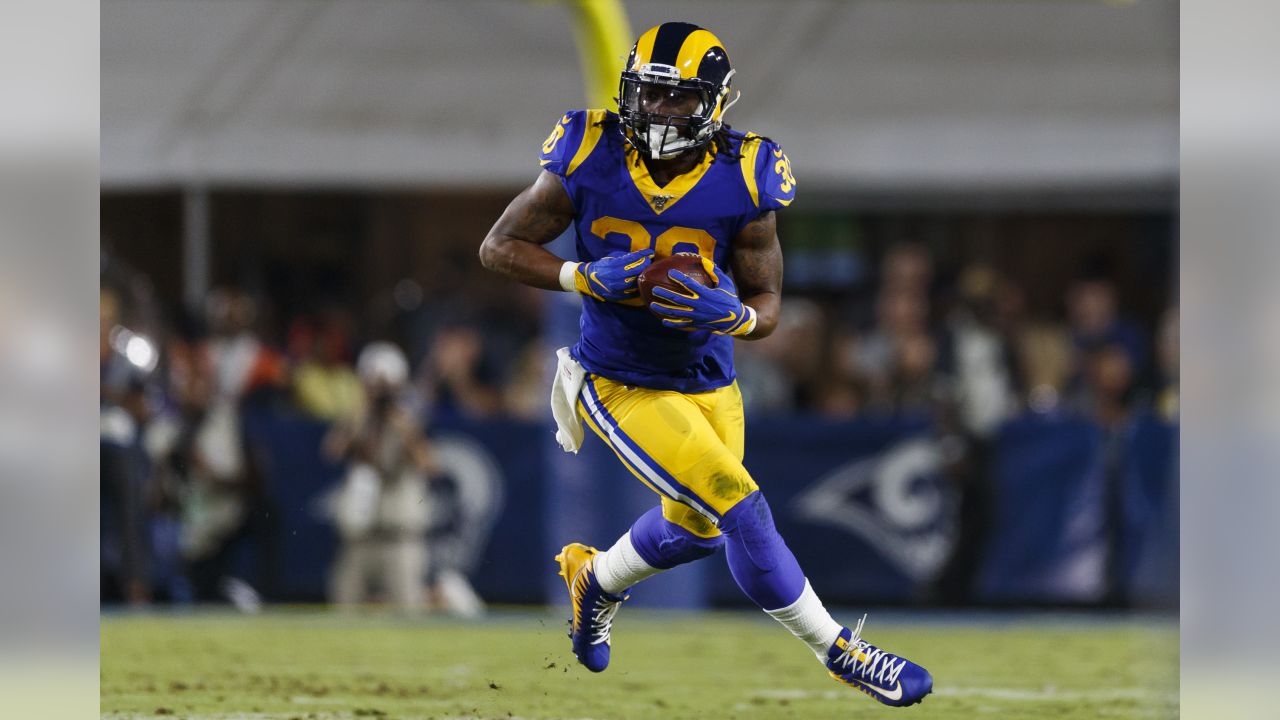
[[318, 665]]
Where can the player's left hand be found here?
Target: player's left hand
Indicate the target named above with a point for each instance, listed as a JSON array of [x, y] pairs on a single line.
[[699, 307]]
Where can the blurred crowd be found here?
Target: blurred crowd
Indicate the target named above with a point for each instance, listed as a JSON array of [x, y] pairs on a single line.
[[968, 346], [185, 478], [183, 484]]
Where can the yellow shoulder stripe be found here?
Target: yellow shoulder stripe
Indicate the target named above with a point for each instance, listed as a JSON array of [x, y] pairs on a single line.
[[590, 136], [748, 163]]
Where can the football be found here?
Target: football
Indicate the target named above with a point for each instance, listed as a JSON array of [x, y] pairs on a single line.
[[656, 274]]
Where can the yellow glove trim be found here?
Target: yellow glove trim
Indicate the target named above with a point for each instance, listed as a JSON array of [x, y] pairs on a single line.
[[748, 325]]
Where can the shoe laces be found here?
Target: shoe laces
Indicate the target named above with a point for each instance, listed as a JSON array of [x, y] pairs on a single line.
[[602, 619], [865, 661]]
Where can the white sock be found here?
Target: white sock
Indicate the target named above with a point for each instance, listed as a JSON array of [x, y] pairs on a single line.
[[620, 567], [808, 620]]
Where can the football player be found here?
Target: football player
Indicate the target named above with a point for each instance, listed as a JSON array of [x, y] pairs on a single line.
[[664, 175]]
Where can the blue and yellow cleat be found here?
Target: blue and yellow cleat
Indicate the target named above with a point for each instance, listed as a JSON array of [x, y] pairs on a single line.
[[593, 608], [888, 678]]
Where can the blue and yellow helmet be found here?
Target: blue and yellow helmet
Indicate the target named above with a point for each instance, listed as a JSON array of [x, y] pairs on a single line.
[[682, 57]]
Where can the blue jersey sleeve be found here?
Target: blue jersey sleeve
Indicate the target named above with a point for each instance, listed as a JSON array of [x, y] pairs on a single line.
[[776, 183], [571, 141]]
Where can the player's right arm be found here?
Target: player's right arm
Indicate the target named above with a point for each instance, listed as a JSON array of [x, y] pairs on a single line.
[[514, 246], [536, 217]]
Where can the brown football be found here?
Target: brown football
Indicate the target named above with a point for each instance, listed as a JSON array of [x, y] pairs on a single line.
[[656, 274]]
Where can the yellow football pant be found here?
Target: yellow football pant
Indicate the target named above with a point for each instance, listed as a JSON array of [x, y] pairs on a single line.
[[686, 447]]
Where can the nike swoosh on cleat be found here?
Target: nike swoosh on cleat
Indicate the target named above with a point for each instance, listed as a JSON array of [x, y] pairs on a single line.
[[895, 694]]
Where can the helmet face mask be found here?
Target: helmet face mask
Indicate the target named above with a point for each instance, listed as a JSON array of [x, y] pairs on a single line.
[[671, 95], [687, 123]]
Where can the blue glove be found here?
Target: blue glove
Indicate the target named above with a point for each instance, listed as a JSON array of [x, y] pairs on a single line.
[[612, 278], [699, 307]]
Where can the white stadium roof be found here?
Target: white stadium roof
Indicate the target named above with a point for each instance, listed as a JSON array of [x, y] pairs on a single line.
[[863, 94]]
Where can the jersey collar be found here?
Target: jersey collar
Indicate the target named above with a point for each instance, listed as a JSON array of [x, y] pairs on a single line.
[[662, 198]]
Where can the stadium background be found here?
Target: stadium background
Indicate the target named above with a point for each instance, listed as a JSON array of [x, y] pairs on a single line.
[[974, 390], [1014, 163]]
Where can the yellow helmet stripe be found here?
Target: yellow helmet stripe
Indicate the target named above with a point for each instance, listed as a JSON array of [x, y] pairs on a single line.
[[694, 47], [644, 48]]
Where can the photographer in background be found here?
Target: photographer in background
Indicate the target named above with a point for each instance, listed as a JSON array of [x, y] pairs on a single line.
[[382, 509]]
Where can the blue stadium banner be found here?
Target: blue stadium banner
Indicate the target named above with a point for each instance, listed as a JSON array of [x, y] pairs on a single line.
[[1080, 514]]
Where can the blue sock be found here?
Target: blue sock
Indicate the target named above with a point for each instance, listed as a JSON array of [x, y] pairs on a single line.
[[663, 544], [760, 561]]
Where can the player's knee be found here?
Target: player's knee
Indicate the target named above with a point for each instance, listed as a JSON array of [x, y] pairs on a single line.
[[704, 546], [750, 523], [683, 546], [663, 544]]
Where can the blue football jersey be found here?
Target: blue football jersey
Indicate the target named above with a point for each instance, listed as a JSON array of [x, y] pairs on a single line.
[[618, 208]]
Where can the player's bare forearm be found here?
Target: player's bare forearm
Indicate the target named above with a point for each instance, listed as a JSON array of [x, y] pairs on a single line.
[[757, 270], [766, 306], [534, 218]]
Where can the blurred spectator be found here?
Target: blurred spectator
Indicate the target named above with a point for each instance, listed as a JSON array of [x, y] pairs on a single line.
[[324, 384], [382, 509], [1045, 358], [226, 502], [125, 359], [1110, 353], [846, 390], [1038, 351], [455, 376], [887, 368], [1108, 385], [1167, 365], [908, 266], [977, 398], [913, 385], [525, 393], [978, 358], [895, 359], [1107, 397], [772, 371], [1095, 321]]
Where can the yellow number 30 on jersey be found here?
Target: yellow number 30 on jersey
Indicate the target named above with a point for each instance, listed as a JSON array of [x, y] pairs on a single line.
[[664, 244], [556, 133], [783, 168]]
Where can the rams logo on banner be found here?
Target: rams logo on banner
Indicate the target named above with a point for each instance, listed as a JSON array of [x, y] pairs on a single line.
[[896, 501]]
